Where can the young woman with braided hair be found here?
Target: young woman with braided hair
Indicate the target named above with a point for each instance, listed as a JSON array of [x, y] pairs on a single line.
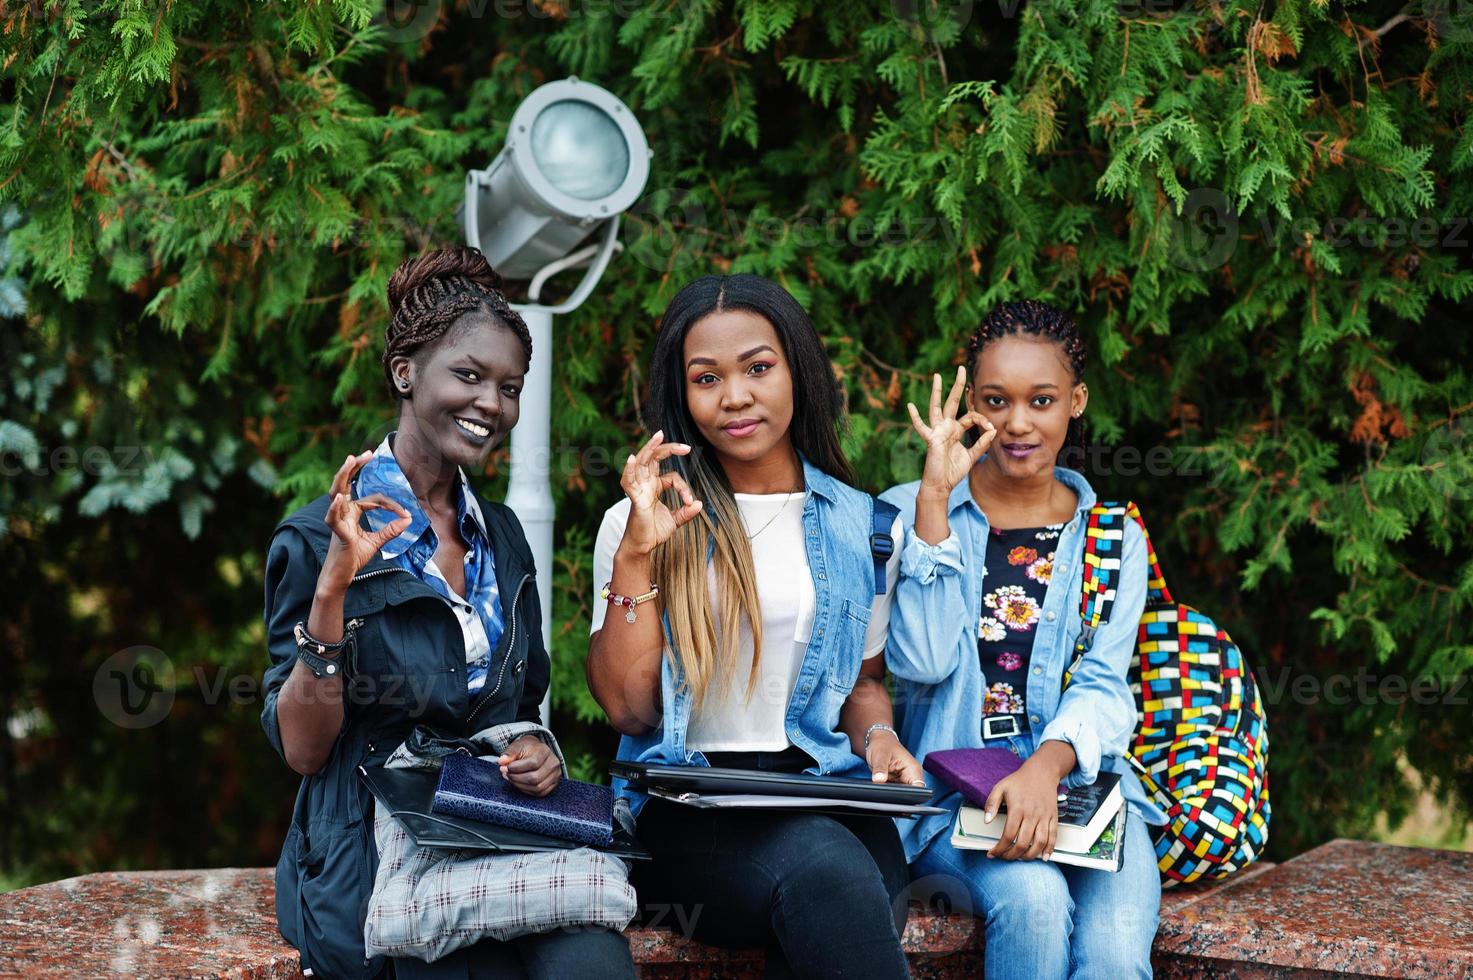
[[436, 585], [986, 617]]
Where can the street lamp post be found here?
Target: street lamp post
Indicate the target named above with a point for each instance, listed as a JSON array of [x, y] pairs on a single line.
[[575, 159]]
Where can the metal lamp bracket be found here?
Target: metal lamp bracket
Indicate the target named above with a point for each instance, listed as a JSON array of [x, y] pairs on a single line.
[[598, 255]]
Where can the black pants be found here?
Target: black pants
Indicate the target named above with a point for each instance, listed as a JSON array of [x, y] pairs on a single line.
[[571, 952], [825, 895]]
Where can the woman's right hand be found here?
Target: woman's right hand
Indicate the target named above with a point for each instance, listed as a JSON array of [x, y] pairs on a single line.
[[651, 522], [947, 461], [352, 547]]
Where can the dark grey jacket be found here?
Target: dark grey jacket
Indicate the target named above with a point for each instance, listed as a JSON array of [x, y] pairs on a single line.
[[409, 670]]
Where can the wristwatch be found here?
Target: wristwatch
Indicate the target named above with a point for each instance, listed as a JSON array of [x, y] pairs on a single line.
[[322, 658]]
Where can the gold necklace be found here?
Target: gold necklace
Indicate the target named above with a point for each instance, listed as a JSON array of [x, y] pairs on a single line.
[[752, 536]]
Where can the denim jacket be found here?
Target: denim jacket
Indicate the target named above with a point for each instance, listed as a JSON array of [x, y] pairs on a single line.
[[837, 522], [932, 651]]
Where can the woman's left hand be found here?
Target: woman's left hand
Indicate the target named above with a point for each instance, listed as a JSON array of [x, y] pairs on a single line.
[[531, 766], [889, 762]]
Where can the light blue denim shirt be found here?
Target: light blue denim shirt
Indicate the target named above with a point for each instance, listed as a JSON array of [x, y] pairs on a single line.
[[837, 523], [932, 651]]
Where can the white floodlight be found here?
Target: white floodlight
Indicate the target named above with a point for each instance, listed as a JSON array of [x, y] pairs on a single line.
[[574, 158]]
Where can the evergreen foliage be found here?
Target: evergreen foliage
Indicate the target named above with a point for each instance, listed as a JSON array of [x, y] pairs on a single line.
[[1258, 211]]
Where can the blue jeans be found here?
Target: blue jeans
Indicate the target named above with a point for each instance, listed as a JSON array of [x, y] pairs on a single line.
[[1047, 920]]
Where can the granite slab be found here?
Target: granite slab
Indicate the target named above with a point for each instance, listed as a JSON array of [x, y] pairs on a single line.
[[219, 922], [1347, 907]]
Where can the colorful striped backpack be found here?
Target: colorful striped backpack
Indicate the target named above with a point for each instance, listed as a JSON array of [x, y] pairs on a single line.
[[1201, 744]]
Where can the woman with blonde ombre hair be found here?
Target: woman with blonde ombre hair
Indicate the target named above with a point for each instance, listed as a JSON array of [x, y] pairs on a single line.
[[748, 631]]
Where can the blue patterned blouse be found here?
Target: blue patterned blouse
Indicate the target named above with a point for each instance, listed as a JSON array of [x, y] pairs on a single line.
[[479, 610]]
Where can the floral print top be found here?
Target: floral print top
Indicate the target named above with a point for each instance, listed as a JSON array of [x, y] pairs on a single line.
[[1020, 563]]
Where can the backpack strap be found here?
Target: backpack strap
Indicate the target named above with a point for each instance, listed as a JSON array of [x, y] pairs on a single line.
[[881, 541], [1104, 537], [1104, 542]]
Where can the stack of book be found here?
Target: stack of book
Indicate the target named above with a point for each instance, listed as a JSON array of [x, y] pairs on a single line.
[[1091, 818]]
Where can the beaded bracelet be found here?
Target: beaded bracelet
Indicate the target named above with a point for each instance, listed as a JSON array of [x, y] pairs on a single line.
[[628, 602]]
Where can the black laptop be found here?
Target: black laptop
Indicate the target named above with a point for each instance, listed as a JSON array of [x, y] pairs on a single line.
[[706, 786]]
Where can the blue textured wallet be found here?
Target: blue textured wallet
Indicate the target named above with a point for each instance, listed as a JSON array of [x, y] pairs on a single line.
[[475, 789]]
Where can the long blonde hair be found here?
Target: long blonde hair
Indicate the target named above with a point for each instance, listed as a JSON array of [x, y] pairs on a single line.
[[707, 658], [704, 657]]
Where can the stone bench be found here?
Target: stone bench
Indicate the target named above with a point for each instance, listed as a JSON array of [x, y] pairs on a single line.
[[1347, 907]]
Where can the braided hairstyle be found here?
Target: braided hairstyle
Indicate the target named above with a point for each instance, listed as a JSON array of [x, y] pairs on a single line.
[[430, 293], [1044, 322]]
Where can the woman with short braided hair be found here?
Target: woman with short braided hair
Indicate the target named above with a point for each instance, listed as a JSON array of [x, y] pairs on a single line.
[[986, 624], [447, 287], [402, 598]]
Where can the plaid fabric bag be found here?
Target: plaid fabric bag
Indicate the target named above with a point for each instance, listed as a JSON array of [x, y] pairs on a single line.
[[427, 902], [1201, 743]]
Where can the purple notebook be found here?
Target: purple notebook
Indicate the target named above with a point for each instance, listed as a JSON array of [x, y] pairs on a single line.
[[475, 789], [973, 772]]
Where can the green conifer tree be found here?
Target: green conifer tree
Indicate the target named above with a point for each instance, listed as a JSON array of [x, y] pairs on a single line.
[[1258, 212]]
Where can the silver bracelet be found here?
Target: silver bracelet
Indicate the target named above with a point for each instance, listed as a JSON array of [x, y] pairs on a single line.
[[878, 726]]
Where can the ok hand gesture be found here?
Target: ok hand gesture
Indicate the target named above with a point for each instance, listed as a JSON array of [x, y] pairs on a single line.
[[352, 547], [947, 461], [651, 522]]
